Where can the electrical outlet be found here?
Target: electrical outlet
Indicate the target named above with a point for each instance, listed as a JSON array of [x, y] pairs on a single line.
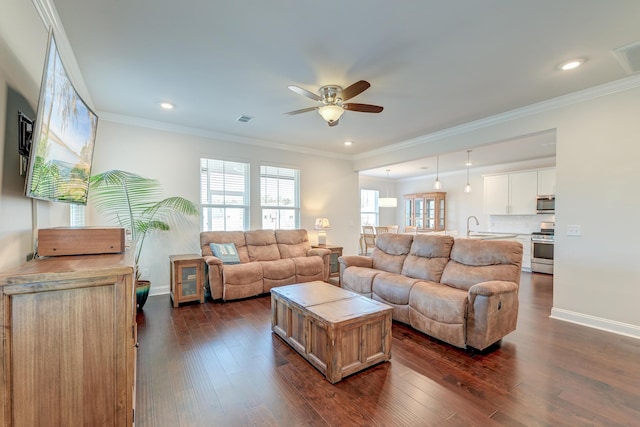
[[573, 230], [145, 272]]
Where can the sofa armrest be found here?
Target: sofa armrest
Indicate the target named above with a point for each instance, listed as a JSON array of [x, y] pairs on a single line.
[[355, 261], [318, 252], [492, 312], [492, 287], [214, 277], [211, 260], [325, 254]]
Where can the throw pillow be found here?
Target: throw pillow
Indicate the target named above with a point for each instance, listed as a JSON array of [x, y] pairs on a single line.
[[227, 252]]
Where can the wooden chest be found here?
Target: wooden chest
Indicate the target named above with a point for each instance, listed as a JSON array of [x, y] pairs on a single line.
[[337, 331], [60, 241]]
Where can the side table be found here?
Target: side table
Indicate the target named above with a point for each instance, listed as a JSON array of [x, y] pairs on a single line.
[[336, 251], [187, 278]]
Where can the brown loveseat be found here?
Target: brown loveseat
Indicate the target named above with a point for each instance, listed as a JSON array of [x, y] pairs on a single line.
[[267, 258], [462, 291]]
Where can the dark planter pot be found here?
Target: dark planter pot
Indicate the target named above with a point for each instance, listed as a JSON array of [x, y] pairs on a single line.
[[142, 292]]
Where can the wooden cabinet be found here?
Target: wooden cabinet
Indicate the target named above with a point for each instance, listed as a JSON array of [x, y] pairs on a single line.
[[69, 342], [427, 211], [547, 182], [511, 194], [187, 279], [336, 252]]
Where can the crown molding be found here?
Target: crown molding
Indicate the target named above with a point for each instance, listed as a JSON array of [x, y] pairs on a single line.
[[218, 136], [49, 17], [610, 88]]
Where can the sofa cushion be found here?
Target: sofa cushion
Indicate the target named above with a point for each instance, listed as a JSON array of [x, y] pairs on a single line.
[[292, 243], [359, 279], [242, 280], [277, 273], [262, 245], [476, 261], [439, 302], [390, 252], [393, 288], [235, 237], [309, 268], [428, 257], [226, 252]]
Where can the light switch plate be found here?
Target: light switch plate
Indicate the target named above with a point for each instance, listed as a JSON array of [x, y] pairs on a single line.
[[573, 230]]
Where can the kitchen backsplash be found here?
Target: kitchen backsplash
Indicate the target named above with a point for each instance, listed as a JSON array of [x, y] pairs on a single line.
[[518, 224]]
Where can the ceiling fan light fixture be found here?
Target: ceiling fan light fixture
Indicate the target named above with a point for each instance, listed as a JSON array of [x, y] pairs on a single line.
[[331, 113]]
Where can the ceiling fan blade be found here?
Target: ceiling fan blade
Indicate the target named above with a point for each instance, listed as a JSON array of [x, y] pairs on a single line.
[[304, 92], [334, 123], [355, 89], [363, 108], [304, 110]]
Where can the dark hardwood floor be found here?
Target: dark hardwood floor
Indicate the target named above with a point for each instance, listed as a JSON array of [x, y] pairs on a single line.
[[217, 364]]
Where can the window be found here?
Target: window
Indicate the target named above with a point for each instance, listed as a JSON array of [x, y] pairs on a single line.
[[369, 207], [76, 214], [224, 195], [280, 197]]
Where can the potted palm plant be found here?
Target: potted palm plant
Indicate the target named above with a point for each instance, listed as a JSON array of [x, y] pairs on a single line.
[[135, 203]]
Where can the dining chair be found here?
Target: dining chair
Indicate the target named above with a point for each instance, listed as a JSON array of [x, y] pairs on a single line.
[[382, 229], [393, 229], [411, 229], [369, 238]]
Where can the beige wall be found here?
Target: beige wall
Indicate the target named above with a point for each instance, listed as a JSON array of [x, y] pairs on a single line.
[[328, 186], [597, 276]]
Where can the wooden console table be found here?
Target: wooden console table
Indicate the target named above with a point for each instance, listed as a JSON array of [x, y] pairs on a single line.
[[69, 342]]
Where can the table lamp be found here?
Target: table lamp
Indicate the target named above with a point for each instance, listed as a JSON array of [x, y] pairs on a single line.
[[321, 225]]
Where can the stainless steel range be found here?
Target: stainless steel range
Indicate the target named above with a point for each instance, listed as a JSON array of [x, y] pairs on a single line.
[[542, 248]]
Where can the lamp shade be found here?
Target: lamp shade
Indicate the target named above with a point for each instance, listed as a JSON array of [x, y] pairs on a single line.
[[387, 202], [322, 223], [331, 113]]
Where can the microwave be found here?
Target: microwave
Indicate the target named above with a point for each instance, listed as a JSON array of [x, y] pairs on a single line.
[[546, 204]]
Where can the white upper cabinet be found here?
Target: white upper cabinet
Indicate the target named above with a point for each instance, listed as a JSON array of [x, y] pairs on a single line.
[[547, 182], [496, 195], [511, 194]]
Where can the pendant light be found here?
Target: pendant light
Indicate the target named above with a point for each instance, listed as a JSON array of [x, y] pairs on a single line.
[[467, 188], [437, 185], [387, 202]]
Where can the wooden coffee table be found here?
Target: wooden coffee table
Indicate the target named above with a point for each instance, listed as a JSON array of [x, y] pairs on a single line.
[[337, 331]]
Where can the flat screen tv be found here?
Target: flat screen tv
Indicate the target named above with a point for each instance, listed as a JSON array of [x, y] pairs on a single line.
[[63, 137]]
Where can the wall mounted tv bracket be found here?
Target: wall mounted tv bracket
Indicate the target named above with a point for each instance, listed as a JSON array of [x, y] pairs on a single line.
[[25, 134]]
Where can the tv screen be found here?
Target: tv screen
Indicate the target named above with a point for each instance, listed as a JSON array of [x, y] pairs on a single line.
[[63, 137]]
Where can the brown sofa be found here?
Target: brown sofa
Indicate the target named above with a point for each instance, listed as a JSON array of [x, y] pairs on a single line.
[[268, 258], [462, 291]]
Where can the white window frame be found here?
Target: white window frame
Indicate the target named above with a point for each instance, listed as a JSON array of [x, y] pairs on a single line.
[[364, 194], [230, 200], [274, 212], [76, 215]]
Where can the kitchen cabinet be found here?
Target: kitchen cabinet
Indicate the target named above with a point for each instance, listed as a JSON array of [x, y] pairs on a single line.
[[511, 194], [69, 341], [427, 211], [547, 182]]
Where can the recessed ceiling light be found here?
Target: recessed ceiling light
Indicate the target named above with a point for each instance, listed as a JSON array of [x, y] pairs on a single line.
[[167, 105], [348, 143], [570, 65]]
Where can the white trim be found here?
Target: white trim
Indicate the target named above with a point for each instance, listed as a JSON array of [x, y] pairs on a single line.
[[158, 290], [529, 110], [589, 321], [49, 16]]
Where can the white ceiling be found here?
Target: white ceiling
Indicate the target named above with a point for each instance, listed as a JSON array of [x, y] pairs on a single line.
[[431, 64]]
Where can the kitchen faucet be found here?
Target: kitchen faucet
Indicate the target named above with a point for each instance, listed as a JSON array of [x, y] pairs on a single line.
[[477, 223]]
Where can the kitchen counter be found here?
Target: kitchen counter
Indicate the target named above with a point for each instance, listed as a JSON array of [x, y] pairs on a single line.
[[491, 236]]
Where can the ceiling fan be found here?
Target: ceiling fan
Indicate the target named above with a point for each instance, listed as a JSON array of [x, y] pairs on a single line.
[[332, 97]]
